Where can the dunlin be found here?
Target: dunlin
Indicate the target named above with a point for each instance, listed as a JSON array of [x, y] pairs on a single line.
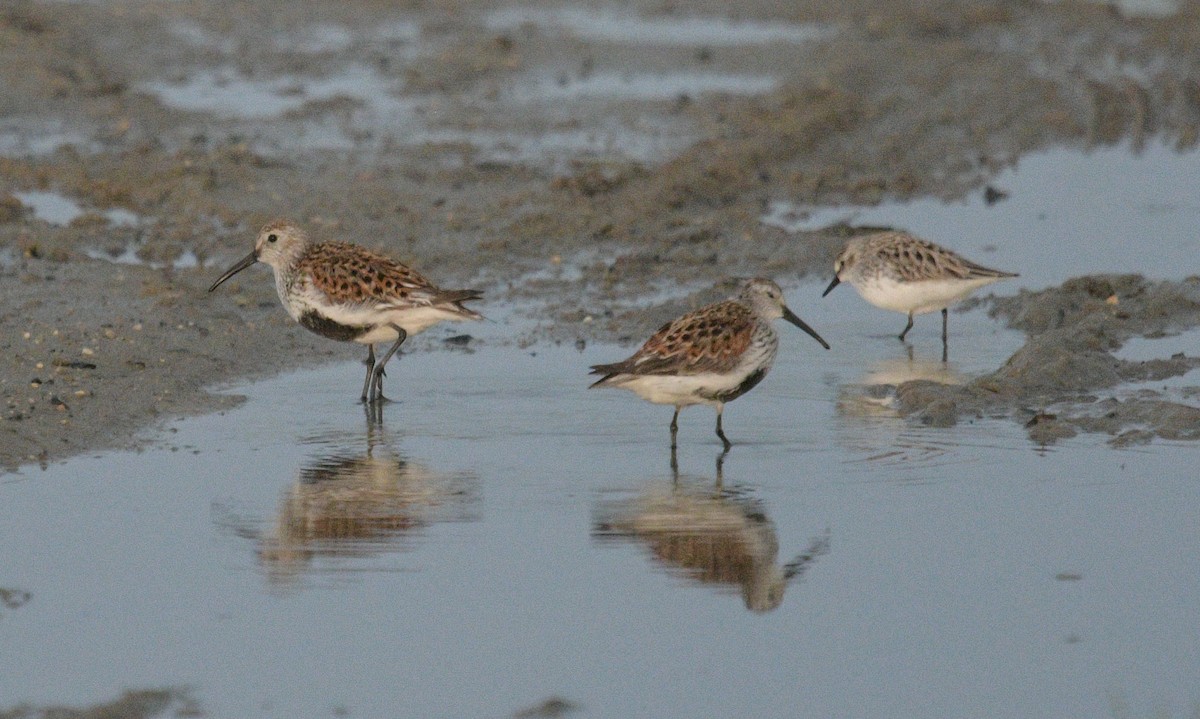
[[897, 271], [350, 294], [710, 356]]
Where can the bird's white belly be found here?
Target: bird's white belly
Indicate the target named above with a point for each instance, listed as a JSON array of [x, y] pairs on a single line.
[[379, 321], [412, 320], [917, 297], [681, 390]]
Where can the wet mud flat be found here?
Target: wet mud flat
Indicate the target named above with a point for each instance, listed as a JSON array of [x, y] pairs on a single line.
[[579, 165], [597, 170]]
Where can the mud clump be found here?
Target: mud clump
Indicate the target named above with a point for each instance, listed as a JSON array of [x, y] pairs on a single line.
[[1074, 331], [133, 704]]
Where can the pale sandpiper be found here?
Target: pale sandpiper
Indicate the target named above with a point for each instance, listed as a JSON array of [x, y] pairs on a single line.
[[897, 271]]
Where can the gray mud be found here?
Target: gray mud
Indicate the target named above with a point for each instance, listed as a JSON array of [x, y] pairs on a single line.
[[428, 147], [1069, 361], [132, 704]]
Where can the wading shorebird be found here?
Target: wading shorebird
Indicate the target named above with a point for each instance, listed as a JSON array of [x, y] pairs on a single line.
[[897, 271], [350, 294], [710, 356]]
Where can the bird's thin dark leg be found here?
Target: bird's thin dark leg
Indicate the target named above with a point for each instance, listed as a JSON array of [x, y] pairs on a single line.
[[907, 327], [721, 432], [721, 468], [374, 414], [377, 389], [674, 465], [376, 393], [674, 431], [945, 346], [370, 367]]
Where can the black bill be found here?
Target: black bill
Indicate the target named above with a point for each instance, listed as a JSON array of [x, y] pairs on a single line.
[[241, 265], [791, 317], [832, 284]]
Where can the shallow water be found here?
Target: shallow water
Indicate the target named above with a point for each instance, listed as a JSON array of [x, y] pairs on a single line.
[[630, 29], [226, 93], [128, 255], [545, 115], [1133, 212], [630, 86], [504, 535], [58, 209]]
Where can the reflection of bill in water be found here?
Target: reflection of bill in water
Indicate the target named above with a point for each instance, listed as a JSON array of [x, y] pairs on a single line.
[[711, 535]]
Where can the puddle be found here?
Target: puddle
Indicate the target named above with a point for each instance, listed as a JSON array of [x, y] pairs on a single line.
[[353, 110], [397, 31], [1140, 349], [227, 93], [222, 94], [543, 117], [319, 38], [58, 209], [197, 35], [609, 138], [1067, 214], [636, 86], [1183, 388], [629, 29], [852, 561], [129, 256], [315, 39], [37, 137]]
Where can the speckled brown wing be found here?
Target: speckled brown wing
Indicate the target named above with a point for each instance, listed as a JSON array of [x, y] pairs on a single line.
[[348, 273], [914, 259], [711, 339]]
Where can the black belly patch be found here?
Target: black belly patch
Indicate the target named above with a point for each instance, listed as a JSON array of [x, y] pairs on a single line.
[[747, 384], [326, 327]]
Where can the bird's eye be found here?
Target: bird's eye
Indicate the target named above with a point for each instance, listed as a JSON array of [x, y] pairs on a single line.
[[272, 237]]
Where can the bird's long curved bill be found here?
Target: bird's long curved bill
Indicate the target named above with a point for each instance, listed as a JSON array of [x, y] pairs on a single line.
[[791, 317], [241, 265], [832, 284]]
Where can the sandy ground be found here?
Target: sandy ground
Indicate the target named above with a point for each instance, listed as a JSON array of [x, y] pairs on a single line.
[[890, 101]]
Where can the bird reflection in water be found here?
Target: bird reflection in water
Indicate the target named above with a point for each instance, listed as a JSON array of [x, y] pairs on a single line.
[[708, 533], [897, 370], [875, 394], [354, 503]]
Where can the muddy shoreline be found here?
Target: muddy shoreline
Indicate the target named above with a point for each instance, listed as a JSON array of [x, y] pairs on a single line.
[[599, 241], [1055, 383]]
